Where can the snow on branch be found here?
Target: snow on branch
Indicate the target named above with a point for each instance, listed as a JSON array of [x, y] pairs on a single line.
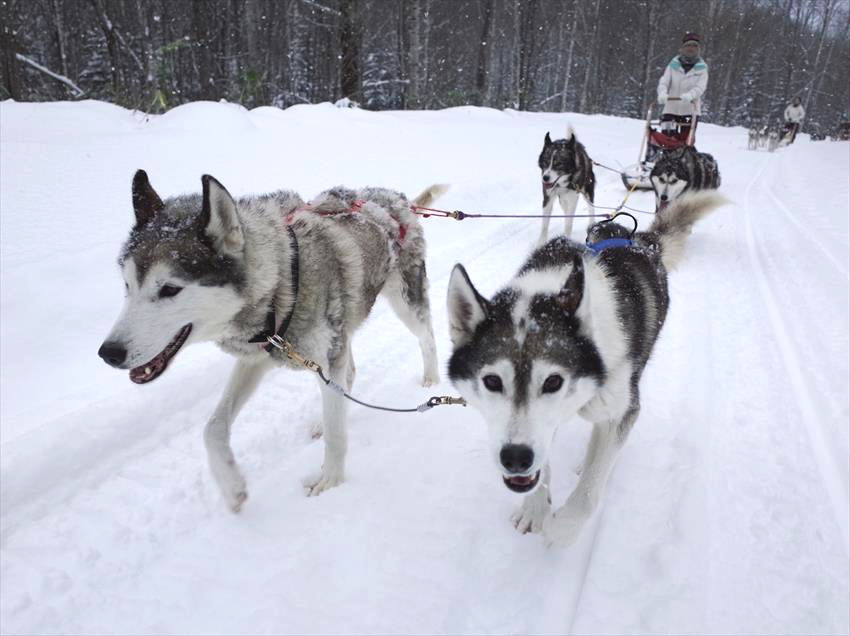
[[321, 7], [78, 92]]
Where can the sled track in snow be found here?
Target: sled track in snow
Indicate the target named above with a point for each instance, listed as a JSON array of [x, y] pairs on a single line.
[[827, 466], [809, 235]]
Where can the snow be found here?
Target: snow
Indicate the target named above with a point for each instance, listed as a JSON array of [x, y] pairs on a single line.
[[726, 513]]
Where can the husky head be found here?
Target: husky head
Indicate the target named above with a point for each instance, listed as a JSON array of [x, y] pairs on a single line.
[[669, 177], [182, 269], [557, 161], [523, 358]]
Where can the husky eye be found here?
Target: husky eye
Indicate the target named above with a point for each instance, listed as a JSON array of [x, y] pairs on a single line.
[[553, 383], [492, 383], [167, 291]]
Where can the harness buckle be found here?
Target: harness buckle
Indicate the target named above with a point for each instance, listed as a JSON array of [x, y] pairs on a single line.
[[439, 400]]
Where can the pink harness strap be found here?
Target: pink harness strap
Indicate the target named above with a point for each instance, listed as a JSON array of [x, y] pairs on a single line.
[[355, 208]]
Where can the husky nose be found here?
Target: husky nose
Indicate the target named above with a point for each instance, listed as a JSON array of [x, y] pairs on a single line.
[[663, 197], [516, 458], [546, 178], [112, 353]]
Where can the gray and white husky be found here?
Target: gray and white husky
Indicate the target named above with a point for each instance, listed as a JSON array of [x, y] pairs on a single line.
[[234, 271], [570, 334], [567, 171], [682, 170]]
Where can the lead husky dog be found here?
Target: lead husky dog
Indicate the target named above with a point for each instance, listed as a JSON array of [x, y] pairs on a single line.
[[570, 334], [567, 171], [683, 170], [201, 268]]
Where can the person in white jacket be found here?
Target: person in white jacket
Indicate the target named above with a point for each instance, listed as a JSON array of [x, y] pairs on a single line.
[[683, 84], [794, 114]]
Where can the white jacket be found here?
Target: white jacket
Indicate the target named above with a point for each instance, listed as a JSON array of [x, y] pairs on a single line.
[[795, 114], [689, 87]]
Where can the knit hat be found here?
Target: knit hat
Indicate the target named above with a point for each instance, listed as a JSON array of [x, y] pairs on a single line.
[[692, 38]]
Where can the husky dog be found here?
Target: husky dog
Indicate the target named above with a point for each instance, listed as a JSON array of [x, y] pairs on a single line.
[[773, 138], [681, 170], [212, 268], [567, 172], [753, 139], [571, 333]]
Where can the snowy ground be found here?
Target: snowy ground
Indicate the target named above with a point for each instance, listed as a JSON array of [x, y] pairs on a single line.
[[727, 511]]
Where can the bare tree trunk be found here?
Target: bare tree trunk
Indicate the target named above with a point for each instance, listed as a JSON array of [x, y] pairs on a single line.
[[9, 51], [589, 68], [817, 72], [484, 42], [568, 72], [648, 53], [59, 26], [723, 111], [349, 37]]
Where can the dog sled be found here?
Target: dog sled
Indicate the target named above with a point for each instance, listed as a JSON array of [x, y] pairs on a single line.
[[659, 136]]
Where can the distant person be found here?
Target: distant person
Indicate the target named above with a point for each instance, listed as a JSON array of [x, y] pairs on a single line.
[[794, 114], [683, 84]]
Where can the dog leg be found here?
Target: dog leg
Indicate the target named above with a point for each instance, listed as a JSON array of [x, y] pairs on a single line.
[[529, 517], [244, 379], [564, 526], [569, 203], [408, 297], [548, 202], [341, 371]]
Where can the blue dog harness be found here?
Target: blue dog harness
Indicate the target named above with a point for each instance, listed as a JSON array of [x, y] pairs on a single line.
[[605, 244]]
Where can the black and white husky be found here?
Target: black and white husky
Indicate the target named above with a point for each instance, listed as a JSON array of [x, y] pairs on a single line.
[[567, 171], [682, 170], [570, 334], [236, 271]]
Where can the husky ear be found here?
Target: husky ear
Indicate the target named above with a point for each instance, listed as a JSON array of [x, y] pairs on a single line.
[[571, 135], [220, 221], [573, 290], [467, 308], [146, 202], [547, 140]]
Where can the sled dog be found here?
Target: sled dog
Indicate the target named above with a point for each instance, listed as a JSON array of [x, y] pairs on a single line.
[[682, 170], [570, 334], [235, 271], [567, 171]]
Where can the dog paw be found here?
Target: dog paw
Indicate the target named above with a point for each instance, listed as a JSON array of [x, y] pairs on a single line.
[[230, 481], [235, 503], [317, 484], [562, 529], [530, 515], [430, 379]]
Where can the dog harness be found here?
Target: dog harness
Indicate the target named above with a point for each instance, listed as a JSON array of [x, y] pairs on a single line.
[[271, 320], [605, 244]]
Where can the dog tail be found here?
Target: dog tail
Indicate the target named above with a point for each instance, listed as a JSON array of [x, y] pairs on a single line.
[[673, 223], [429, 195]]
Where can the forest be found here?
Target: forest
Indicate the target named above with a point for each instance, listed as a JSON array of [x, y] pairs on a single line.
[[589, 56]]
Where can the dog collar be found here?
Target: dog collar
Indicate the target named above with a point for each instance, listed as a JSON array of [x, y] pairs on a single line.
[[271, 320], [605, 244]]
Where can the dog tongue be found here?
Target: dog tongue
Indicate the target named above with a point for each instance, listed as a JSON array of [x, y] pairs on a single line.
[[149, 370]]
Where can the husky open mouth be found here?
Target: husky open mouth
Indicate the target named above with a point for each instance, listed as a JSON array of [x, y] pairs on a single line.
[[522, 483], [153, 369]]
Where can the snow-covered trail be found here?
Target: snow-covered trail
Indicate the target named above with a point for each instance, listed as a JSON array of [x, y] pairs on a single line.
[[727, 512]]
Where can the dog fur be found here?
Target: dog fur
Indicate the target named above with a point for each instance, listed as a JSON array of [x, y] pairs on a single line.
[[570, 334], [209, 267], [682, 170], [567, 171]]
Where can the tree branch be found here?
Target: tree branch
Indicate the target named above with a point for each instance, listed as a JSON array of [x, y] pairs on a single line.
[[78, 92]]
